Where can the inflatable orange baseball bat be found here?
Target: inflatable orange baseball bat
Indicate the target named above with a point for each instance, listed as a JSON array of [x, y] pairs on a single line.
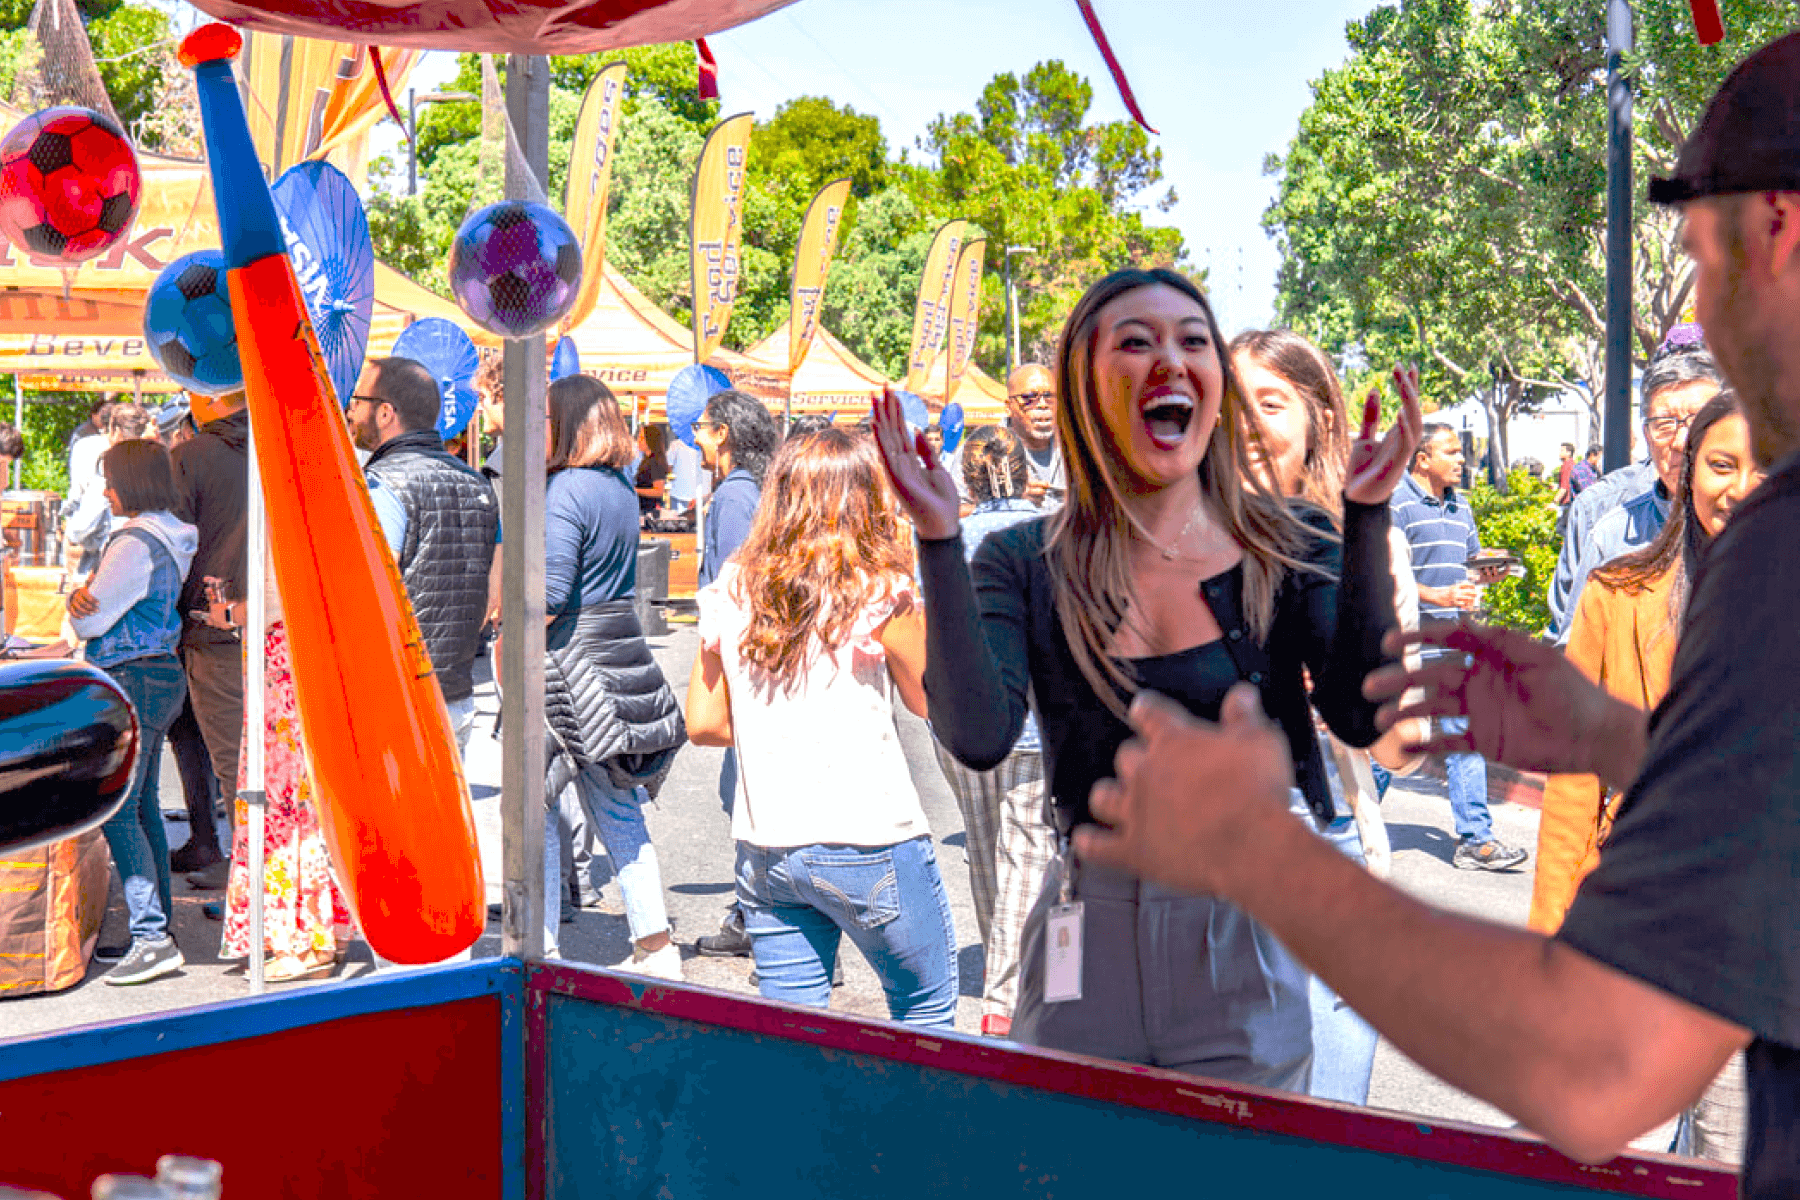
[[392, 800]]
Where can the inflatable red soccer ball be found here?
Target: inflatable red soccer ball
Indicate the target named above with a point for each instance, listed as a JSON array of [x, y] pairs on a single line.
[[69, 184]]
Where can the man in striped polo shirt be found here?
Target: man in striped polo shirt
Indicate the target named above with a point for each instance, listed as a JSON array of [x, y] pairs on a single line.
[[1441, 531]]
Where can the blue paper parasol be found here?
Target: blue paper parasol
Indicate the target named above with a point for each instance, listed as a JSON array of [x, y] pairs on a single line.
[[951, 422], [686, 398], [913, 407], [442, 348], [566, 361], [328, 242]]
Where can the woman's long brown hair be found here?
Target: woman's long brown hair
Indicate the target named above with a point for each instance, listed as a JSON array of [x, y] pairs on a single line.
[[1306, 369], [824, 544], [1683, 539], [1090, 537]]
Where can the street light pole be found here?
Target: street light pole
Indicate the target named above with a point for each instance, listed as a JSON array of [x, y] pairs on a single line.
[[412, 128], [1618, 237], [1012, 308]]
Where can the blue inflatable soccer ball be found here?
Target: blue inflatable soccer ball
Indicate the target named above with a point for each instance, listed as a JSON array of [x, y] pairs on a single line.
[[187, 323], [515, 268]]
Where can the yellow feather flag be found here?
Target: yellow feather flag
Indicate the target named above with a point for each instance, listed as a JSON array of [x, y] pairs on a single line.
[[715, 229], [306, 97], [930, 315], [812, 261], [965, 314], [590, 181]]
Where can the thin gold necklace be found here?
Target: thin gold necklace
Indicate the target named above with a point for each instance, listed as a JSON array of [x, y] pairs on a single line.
[[1172, 551]]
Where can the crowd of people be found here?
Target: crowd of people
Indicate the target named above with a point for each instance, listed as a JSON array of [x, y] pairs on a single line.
[[1165, 625]]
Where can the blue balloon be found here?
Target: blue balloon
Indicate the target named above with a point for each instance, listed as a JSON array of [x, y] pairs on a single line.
[[917, 414], [951, 422], [686, 398], [188, 325], [566, 361], [442, 348], [334, 262]]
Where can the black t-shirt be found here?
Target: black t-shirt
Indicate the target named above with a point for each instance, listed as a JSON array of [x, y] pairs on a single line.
[[1696, 891]]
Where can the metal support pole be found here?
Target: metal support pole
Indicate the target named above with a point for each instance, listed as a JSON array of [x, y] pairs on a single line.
[[412, 142], [1617, 445], [254, 634], [522, 561], [1012, 320]]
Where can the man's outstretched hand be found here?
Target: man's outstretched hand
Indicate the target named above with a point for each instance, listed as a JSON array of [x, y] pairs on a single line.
[[1190, 799], [1527, 706]]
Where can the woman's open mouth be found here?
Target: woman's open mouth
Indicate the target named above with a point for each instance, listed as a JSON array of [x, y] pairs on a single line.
[[1166, 419]]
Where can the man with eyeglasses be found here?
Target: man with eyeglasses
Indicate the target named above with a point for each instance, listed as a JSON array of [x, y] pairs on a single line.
[[438, 515], [1674, 388], [1031, 407]]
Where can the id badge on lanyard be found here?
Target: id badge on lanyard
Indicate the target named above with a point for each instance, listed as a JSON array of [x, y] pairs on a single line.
[[1062, 939]]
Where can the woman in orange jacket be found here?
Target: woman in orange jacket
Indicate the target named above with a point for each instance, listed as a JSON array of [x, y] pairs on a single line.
[[1623, 637]]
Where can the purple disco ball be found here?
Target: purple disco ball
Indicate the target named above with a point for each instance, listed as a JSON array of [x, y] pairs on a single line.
[[515, 268]]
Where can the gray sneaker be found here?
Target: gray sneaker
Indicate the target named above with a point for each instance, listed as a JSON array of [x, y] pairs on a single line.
[[147, 960], [1491, 855]]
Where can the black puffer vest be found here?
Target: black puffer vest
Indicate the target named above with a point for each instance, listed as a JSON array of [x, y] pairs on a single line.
[[607, 703], [452, 517]]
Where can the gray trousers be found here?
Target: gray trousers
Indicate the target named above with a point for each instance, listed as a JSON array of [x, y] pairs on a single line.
[[215, 676], [1181, 982]]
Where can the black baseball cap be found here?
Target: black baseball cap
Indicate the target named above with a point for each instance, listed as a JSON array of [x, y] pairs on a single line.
[[1748, 139]]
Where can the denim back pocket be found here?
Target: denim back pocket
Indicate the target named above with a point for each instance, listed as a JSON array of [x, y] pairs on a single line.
[[861, 886]]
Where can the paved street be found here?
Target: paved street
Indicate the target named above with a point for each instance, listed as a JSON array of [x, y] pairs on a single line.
[[692, 838]]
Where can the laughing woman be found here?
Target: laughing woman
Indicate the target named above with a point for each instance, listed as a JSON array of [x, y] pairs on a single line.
[[1170, 568]]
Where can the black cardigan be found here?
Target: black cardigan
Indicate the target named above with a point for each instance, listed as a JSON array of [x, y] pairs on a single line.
[[993, 639]]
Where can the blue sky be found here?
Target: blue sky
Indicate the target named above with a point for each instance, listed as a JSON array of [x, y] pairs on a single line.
[[1224, 87]]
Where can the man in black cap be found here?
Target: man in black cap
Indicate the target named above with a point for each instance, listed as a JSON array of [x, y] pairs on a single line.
[[1683, 946]]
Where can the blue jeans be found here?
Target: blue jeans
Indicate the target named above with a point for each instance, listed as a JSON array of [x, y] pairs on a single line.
[[1343, 1043], [139, 842], [617, 815], [728, 780], [1468, 789], [799, 901]]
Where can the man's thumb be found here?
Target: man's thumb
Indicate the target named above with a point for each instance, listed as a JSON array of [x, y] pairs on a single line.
[[1153, 713]]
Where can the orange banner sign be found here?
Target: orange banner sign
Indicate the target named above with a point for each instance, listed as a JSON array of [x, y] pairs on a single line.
[[590, 180], [716, 228], [965, 315], [931, 314], [812, 262]]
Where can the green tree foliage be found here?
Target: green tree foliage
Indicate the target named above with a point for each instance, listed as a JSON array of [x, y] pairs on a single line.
[[1521, 519], [49, 420], [1027, 166], [874, 283], [1030, 169], [133, 51], [1443, 198]]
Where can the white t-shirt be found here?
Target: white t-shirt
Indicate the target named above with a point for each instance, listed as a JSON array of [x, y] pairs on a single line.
[[819, 762]]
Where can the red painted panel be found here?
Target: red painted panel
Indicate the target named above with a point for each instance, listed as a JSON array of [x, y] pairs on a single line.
[[403, 1103]]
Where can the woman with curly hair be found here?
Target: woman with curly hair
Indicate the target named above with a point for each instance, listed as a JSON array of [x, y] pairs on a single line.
[[807, 638]]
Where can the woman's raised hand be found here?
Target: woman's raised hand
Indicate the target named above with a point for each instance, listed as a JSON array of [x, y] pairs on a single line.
[[1378, 463], [924, 487]]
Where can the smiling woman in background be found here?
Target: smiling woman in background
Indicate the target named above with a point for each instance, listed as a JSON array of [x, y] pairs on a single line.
[[1170, 569]]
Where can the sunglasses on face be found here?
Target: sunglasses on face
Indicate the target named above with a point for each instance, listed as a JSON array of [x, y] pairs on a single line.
[[1035, 399]]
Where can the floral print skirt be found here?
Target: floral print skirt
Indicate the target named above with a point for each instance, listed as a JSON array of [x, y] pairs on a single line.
[[304, 914]]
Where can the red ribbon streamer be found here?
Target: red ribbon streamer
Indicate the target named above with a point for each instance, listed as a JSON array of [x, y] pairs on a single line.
[[1118, 72], [708, 83], [1706, 21], [382, 83]]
